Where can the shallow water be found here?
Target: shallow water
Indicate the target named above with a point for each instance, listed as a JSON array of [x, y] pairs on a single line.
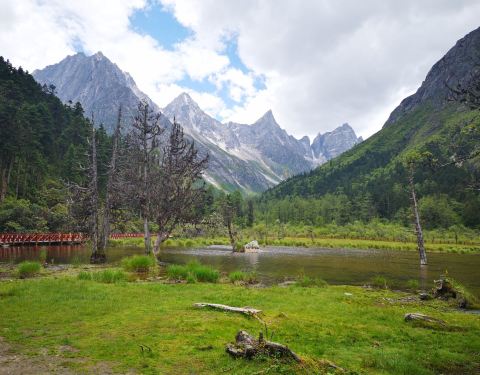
[[276, 264]]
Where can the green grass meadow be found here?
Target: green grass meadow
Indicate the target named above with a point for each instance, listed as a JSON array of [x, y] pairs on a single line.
[[152, 328]]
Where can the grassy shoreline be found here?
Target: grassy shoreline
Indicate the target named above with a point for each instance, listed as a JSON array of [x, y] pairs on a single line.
[[361, 330], [347, 243]]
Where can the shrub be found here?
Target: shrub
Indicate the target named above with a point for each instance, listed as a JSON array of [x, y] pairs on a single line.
[[107, 276], [28, 269], [306, 281], [138, 263]]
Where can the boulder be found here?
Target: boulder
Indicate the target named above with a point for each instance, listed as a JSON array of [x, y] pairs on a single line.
[[251, 247]]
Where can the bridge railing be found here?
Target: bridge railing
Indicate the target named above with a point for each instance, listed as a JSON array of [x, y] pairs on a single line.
[[19, 238]]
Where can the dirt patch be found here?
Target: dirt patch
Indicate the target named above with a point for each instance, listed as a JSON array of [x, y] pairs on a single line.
[[12, 362]]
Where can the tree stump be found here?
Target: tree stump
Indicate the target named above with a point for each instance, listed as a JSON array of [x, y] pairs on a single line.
[[246, 346]]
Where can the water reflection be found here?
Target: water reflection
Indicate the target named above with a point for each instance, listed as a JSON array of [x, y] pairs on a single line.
[[274, 264]]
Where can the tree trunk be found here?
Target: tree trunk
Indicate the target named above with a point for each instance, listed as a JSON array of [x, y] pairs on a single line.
[[3, 190], [96, 256], [111, 172], [145, 192], [231, 234], [161, 236], [146, 235], [418, 227]]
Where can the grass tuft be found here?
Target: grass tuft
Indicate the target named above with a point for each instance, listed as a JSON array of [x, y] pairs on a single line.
[[243, 277], [306, 282], [138, 263], [192, 272], [28, 269], [107, 276], [379, 282]]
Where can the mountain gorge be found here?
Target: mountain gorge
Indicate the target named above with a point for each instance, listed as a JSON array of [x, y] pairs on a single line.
[[252, 157]]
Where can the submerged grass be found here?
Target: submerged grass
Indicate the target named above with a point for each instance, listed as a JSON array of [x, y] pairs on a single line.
[[306, 282], [243, 277], [110, 322]]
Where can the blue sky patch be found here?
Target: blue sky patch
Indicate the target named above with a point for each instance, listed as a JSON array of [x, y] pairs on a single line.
[[161, 25]]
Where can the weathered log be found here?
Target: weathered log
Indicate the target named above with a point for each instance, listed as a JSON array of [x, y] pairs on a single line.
[[423, 318], [246, 346], [243, 310]]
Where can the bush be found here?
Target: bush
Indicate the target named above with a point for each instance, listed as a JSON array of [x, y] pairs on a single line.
[[242, 277], [28, 269], [107, 276], [138, 263], [306, 281], [193, 272]]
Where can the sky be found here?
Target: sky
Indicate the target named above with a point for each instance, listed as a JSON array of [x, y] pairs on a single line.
[[315, 63]]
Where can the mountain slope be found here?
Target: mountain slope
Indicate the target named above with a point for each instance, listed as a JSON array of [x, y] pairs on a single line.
[[97, 83], [428, 121], [252, 158]]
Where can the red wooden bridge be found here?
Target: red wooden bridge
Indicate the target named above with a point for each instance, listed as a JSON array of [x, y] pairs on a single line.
[[7, 239], [114, 236], [41, 238]]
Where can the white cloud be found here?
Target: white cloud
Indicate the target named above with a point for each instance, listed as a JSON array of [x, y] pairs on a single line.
[[323, 62], [328, 62]]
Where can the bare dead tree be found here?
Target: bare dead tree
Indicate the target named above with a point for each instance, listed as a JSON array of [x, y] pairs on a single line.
[[228, 212], [112, 170], [178, 187], [98, 255], [411, 161], [142, 144]]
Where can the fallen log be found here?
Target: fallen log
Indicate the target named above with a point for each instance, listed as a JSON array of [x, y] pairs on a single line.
[[423, 318], [243, 310], [246, 346]]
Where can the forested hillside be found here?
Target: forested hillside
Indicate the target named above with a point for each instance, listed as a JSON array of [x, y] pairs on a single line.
[[370, 180], [43, 143]]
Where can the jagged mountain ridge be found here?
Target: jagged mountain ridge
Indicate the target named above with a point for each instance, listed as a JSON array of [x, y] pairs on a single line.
[[250, 157]]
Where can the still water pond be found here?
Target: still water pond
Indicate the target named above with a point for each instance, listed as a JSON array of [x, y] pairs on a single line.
[[276, 264]]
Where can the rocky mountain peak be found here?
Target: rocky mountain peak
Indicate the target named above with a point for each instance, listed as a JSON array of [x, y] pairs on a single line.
[[97, 83], [332, 144], [250, 157], [456, 67]]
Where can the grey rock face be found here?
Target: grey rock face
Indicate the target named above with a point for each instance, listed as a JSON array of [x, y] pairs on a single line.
[[248, 157], [456, 67], [332, 144], [97, 83]]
